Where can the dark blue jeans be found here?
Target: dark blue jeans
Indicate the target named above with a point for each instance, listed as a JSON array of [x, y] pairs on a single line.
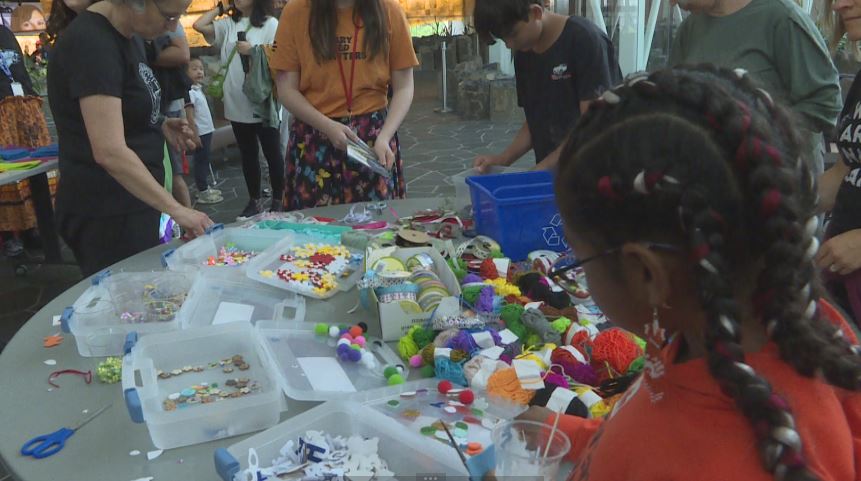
[[201, 162]]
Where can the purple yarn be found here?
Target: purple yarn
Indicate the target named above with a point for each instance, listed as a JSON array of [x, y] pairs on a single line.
[[506, 359], [584, 374], [553, 379], [463, 341], [485, 300], [472, 279]]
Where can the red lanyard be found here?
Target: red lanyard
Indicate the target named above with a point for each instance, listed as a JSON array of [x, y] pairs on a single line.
[[348, 90]]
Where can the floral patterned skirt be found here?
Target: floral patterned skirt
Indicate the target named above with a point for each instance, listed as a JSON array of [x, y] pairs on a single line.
[[22, 124], [318, 174]]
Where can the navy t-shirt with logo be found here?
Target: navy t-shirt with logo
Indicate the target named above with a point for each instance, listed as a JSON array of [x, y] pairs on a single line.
[[13, 61], [846, 214], [93, 58], [579, 66]]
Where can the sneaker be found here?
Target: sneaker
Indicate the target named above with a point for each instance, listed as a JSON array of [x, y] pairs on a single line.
[[209, 197], [267, 192], [276, 205], [13, 248], [214, 190], [252, 209]]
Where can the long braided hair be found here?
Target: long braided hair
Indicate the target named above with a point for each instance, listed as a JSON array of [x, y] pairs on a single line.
[[704, 159]]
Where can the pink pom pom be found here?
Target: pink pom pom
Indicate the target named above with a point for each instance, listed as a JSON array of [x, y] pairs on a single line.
[[348, 337], [360, 341], [416, 361]]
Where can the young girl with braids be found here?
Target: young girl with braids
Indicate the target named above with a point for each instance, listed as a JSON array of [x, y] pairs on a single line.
[[692, 213]]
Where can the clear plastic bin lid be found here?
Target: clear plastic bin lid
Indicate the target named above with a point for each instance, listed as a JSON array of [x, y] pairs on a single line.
[[310, 369]]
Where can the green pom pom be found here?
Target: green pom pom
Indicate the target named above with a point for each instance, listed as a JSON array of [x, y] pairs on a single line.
[[561, 325], [390, 371], [355, 347], [640, 342], [396, 379], [471, 293], [637, 365], [533, 339], [423, 337], [428, 371], [321, 329]]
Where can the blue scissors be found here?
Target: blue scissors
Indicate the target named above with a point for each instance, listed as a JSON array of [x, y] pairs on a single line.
[[50, 444]]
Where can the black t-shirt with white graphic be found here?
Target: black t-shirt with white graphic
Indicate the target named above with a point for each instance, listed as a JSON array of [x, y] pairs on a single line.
[[93, 58], [13, 59], [846, 215], [579, 66]]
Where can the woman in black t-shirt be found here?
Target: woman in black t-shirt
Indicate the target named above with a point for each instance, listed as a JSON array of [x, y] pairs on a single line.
[[106, 105], [840, 186]]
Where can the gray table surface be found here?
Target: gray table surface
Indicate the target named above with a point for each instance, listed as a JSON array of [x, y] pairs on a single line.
[[16, 175], [100, 450]]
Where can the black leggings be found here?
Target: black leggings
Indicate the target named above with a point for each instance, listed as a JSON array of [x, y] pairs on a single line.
[[246, 138]]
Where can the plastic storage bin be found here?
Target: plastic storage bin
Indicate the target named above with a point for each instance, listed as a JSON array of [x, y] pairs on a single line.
[[124, 302], [233, 297], [462, 197], [195, 254], [518, 211], [270, 261], [407, 455], [308, 366], [145, 392]]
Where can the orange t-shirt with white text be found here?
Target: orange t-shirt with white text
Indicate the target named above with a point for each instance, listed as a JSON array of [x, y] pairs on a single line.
[[679, 426], [322, 83]]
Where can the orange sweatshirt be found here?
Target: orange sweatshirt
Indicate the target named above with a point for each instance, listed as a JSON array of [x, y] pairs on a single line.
[[679, 426]]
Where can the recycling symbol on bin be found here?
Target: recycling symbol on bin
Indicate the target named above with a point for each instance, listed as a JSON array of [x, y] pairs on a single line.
[[553, 235]]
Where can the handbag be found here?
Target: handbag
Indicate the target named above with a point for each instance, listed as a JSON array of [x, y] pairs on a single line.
[[215, 89]]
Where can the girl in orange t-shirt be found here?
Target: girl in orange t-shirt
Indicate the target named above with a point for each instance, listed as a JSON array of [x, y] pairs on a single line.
[[336, 60], [687, 201]]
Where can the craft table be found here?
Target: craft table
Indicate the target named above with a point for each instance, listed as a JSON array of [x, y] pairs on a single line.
[[100, 450], [42, 205]]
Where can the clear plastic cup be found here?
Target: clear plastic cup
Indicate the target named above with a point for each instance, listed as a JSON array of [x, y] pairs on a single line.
[[520, 451]]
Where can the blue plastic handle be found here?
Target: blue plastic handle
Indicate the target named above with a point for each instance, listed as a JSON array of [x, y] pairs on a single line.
[[98, 278], [165, 255], [481, 464], [133, 404], [65, 318], [131, 341], [46, 445], [225, 464], [214, 228]]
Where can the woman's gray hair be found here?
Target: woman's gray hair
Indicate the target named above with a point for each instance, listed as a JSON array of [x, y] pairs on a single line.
[[136, 5]]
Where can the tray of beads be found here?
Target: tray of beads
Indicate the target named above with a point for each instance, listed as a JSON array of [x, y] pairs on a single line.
[[308, 266], [201, 384], [233, 297], [221, 247], [328, 362], [119, 303], [337, 440]]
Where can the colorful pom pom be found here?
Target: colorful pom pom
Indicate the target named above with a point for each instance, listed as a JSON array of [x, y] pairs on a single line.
[[428, 371], [321, 329], [396, 379], [416, 361], [360, 340], [467, 397], [356, 331], [390, 371], [444, 387], [334, 331]]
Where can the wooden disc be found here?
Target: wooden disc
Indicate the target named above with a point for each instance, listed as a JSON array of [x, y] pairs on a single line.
[[414, 236]]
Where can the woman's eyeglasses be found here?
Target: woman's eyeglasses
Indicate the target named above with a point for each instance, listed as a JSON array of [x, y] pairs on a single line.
[[167, 18]]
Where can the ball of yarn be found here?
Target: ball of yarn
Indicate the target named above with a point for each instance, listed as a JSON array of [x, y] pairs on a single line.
[[463, 341], [550, 312], [428, 371], [616, 348], [535, 320], [561, 325], [458, 355], [488, 270], [511, 315], [458, 268], [450, 370], [445, 336], [582, 342], [505, 384], [536, 287], [503, 288], [637, 365], [421, 336], [472, 279], [496, 254], [576, 370], [471, 368], [484, 303], [585, 374], [470, 293], [533, 339], [427, 354], [574, 408], [407, 348], [416, 361], [554, 379]]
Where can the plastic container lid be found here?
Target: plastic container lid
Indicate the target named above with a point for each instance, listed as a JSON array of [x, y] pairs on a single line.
[[233, 297], [309, 369], [407, 456], [270, 261]]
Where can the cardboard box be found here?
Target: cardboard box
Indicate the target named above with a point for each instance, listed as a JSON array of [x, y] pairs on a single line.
[[394, 320]]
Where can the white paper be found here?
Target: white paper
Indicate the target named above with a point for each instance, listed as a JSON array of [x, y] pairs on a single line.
[[232, 312], [442, 352], [576, 353], [326, 374], [17, 89], [533, 305], [492, 353], [508, 337], [560, 399], [55, 321], [529, 374], [483, 339], [502, 266], [589, 398]]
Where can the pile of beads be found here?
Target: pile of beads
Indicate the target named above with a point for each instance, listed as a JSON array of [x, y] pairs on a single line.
[[313, 268], [110, 371], [229, 255], [351, 343], [206, 393], [227, 366]]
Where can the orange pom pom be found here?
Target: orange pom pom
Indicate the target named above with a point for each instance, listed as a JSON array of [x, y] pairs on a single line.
[[356, 331]]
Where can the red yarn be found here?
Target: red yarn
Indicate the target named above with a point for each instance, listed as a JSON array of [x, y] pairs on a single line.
[[616, 348], [582, 341], [488, 270], [771, 202]]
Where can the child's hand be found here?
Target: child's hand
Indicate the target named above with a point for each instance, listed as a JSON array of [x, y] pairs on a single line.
[[483, 163]]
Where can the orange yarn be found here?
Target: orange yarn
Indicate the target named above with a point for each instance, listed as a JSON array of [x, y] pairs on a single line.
[[581, 341], [504, 383], [616, 348]]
